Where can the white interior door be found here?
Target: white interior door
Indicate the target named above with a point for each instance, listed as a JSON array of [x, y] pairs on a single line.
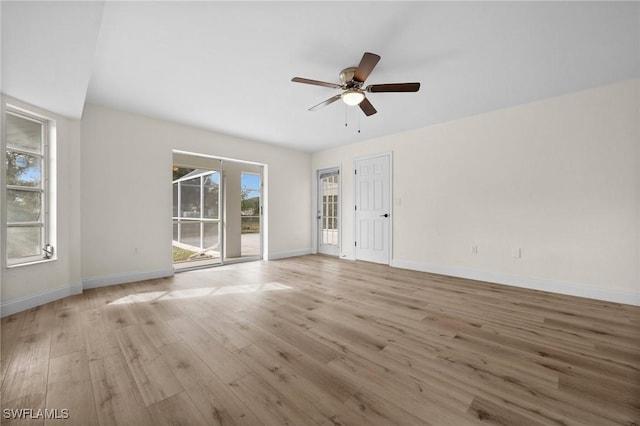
[[372, 209], [329, 211]]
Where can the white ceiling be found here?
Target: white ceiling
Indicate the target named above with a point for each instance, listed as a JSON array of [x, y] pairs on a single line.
[[227, 66]]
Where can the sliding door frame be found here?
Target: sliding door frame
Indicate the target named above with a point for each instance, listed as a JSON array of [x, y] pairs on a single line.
[[222, 213]]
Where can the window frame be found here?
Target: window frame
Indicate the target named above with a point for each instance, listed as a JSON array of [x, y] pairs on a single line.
[[44, 189]]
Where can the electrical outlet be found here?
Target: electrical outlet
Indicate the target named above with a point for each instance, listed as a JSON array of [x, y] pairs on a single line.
[[474, 249], [516, 253]]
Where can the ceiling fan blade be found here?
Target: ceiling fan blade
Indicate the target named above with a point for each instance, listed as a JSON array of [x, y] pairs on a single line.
[[367, 108], [316, 82], [367, 64], [325, 103], [393, 87]]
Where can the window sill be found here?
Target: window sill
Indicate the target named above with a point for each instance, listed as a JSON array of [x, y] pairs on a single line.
[[34, 262]]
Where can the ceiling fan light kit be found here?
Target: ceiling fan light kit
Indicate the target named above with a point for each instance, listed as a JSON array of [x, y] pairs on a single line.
[[352, 97], [352, 79]]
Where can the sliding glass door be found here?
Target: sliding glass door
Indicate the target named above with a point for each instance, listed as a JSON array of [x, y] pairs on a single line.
[[217, 211], [242, 211], [197, 216]]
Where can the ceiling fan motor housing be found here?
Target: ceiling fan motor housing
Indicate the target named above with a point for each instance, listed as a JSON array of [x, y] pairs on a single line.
[[347, 78]]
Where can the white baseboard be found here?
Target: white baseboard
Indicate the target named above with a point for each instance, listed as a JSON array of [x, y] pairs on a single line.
[[19, 304], [290, 253], [568, 288], [114, 279]]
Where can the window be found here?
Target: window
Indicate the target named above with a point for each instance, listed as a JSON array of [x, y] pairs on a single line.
[[27, 186]]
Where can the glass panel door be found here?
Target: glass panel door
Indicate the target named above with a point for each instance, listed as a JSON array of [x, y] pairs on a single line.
[[250, 214], [242, 211], [329, 211], [196, 217]]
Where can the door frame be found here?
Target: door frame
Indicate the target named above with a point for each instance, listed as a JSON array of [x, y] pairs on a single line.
[[317, 214], [391, 213]]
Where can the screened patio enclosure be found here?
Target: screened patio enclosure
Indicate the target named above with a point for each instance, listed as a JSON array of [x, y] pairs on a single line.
[[196, 214], [217, 210]]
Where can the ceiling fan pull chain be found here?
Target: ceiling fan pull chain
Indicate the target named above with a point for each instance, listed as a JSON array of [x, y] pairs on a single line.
[[345, 115]]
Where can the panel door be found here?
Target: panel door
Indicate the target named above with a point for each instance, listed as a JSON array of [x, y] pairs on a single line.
[[372, 209]]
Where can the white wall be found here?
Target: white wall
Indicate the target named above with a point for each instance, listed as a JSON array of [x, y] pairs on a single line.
[[127, 197], [558, 179], [25, 286]]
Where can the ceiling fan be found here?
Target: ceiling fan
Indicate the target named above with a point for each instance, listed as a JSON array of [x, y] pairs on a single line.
[[352, 80]]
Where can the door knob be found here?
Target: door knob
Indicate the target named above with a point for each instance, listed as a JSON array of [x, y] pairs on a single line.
[[384, 215]]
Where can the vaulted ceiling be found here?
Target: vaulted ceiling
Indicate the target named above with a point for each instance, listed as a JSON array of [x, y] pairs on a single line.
[[227, 66]]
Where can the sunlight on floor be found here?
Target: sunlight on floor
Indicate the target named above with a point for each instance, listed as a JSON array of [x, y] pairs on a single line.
[[199, 292]]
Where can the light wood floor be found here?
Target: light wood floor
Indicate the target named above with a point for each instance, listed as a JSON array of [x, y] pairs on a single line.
[[315, 340]]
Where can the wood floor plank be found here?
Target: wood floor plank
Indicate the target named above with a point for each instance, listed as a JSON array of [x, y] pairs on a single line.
[[407, 395], [9, 334], [233, 334], [154, 326], [490, 413], [177, 410], [212, 397], [116, 396], [269, 405], [38, 320], [25, 383], [222, 362], [302, 393], [69, 388], [119, 315], [366, 408], [99, 335], [317, 373], [154, 379], [168, 309], [67, 332], [347, 338], [294, 335], [311, 385]]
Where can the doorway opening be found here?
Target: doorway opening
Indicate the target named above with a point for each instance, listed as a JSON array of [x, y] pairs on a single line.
[[329, 211], [217, 211]]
